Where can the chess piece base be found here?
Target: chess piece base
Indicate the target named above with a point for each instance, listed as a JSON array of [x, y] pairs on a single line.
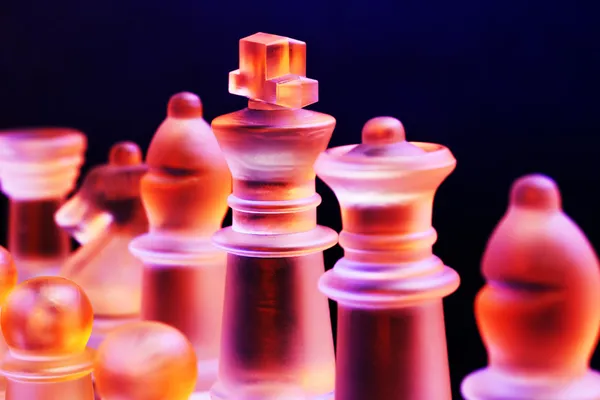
[[488, 384], [265, 392], [197, 396], [207, 376], [76, 389]]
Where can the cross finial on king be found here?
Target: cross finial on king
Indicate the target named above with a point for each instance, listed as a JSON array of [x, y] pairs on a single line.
[[272, 70]]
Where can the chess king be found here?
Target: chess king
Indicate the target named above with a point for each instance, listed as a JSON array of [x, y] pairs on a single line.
[[276, 341]]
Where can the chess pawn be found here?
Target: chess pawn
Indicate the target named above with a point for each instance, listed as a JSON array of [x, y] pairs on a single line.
[[185, 196], [38, 169], [389, 286], [277, 341], [539, 312], [104, 216], [8, 280], [46, 323], [145, 361]]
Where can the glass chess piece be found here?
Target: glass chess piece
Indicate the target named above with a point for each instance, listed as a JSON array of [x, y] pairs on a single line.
[[8, 281], [145, 361], [539, 311], [389, 286], [185, 197], [38, 169], [46, 322], [277, 340], [104, 216]]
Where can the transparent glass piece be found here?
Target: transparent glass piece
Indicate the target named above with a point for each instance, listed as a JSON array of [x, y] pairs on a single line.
[[8, 281], [46, 323], [539, 311], [276, 340], [185, 194], [272, 70], [104, 215], [145, 361], [38, 168], [388, 284]]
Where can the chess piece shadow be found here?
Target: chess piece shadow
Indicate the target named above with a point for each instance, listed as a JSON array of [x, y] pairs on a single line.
[[539, 311], [104, 215]]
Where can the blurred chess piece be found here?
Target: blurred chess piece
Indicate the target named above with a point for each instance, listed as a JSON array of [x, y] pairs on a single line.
[[46, 323], [539, 312], [391, 341], [145, 361], [277, 341], [38, 169], [8, 280], [185, 196], [104, 215]]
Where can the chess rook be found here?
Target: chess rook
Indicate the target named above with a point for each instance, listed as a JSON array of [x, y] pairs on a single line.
[[8, 280], [104, 216], [277, 340], [46, 323], [38, 169], [145, 361], [539, 311], [185, 197], [389, 286]]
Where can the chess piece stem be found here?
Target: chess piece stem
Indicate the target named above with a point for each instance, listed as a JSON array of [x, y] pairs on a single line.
[[389, 286], [34, 238], [77, 389]]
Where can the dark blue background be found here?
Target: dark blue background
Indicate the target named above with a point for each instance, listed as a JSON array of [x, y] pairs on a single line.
[[510, 86]]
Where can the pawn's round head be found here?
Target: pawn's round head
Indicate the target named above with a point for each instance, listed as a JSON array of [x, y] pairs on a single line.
[[48, 317], [125, 153], [145, 361], [385, 137], [383, 130], [537, 192], [8, 274], [185, 105]]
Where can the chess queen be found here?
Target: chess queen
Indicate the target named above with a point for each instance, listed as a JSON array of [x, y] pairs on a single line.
[[391, 341]]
